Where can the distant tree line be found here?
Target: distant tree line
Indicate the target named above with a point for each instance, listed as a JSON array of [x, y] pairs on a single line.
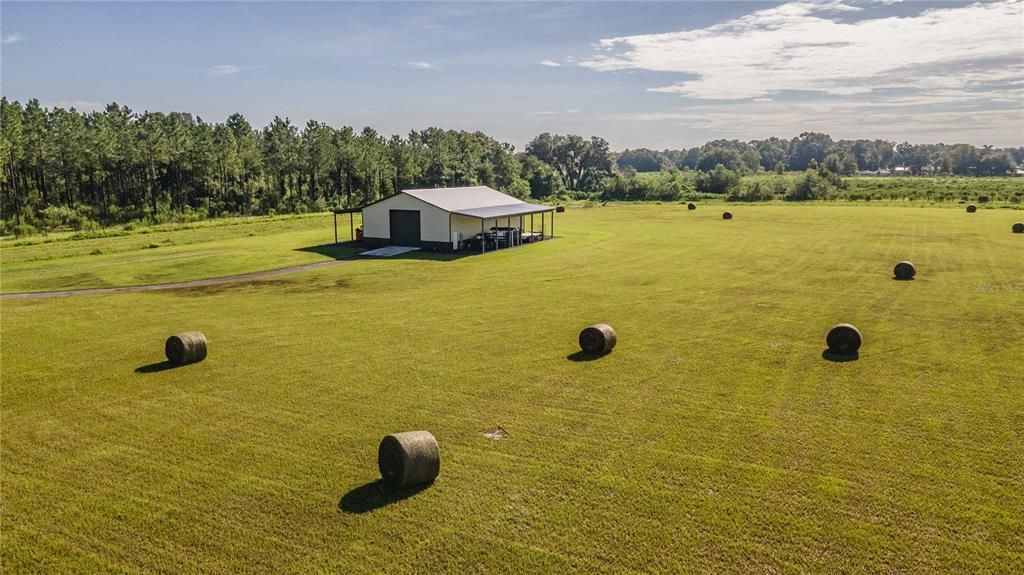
[[844, 157], [60, 168]]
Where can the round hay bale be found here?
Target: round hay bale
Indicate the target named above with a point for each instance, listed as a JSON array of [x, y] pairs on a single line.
[[904, 271], [971, 208], [408, 458], [597, 339], [691, 206], [1018, 228], [184, 348], [843, 339], [560, 209], [726, 215]]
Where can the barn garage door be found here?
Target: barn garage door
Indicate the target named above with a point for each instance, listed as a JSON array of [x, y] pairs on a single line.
[[405, 227]]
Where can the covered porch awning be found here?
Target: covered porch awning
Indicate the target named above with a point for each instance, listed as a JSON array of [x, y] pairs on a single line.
[[490, 212], [518, 210]]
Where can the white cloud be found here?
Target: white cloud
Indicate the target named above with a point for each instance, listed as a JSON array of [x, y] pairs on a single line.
[[225, 70], [835, 6], [806, 46], [84, 106], [12, 39], [930, 118], [553, 112], [423, 66], [550, 63]]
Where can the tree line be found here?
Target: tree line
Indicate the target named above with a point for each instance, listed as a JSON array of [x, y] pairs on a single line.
[[64, 168], [844, 157]]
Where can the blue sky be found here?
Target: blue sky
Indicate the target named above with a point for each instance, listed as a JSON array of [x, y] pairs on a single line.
[[655, 75]]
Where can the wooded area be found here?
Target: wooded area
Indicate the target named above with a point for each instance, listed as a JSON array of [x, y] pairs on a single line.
[[63, 168], [844, 157]]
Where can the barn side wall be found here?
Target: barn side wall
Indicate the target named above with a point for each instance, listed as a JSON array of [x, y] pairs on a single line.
[[433, 220]]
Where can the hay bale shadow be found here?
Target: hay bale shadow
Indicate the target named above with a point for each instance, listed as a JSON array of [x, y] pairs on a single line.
[[156, 367], [376, 494], [584, 356], [834, 357], [899, 279]]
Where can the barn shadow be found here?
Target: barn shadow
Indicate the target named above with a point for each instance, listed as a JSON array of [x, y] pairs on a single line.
[[375, 495], [339, 251], [432, 256], [834, 357], [156, 367], [351, 251]]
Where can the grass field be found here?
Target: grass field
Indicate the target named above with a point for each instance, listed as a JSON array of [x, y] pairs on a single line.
[[713, 439], [162, 255]]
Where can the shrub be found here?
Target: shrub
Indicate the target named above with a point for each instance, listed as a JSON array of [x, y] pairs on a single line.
[[811, 186], [665, 187], [755, 191], [718, 181], [61, 217], [23, 230]]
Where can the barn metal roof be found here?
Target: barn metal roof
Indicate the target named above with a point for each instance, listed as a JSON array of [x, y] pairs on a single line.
[[475, 201], [520, 209]]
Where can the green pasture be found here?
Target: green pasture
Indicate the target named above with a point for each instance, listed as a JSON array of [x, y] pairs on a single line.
[[714, 439], [162, 255]]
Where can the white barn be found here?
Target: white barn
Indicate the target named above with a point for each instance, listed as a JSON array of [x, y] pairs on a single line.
[[475, 217]]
